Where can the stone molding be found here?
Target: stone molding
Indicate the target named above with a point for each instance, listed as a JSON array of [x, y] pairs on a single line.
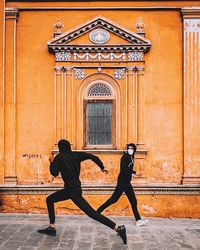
[[11, 13], [103, 189], [135, 41], [190, 12], [96, 57]]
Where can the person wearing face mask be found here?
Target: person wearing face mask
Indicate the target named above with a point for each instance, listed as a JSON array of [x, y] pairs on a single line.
[[67, 163], [124, 184]]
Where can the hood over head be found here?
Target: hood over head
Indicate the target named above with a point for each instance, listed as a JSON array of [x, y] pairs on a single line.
[[64, 146], [132, 145]]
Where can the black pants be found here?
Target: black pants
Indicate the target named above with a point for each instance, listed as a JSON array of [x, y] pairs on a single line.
[[76, 196], [120, 188]]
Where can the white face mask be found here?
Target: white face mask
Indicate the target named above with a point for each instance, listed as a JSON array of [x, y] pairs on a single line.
[[130, 151]]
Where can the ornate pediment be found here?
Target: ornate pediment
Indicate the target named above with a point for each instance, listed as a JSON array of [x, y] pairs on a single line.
[[99, 39]]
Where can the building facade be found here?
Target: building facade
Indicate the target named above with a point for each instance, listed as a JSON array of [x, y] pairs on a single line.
[[101, 74]]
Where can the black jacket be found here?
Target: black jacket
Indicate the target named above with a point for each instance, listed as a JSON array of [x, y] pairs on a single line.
[[126, 169], [68, 164]]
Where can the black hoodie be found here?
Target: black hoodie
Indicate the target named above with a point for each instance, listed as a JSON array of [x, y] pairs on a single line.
[[126, 167], [68, 164]]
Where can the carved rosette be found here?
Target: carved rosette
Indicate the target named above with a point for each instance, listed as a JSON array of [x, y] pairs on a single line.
[[99, 36], [99, 29], [119, 73], [80, 73]]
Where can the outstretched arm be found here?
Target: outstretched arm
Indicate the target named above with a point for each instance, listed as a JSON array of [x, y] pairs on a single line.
[[86, 156]]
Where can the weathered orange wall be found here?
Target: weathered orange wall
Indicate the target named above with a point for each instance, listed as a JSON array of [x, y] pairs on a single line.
[[148, 205], [163, 110], [163, 89]]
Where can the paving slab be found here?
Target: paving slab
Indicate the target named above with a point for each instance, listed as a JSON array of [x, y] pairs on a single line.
[[79, 232]]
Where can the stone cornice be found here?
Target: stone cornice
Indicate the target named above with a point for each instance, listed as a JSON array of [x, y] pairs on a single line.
[[191, 13], [103, 189], [136, 41], [11, 13]]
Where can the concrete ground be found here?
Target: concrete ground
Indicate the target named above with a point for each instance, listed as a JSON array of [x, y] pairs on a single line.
[[19, 232]]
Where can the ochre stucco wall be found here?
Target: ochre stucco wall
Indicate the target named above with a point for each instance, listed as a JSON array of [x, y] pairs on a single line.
[[162, 79], [163, 106]]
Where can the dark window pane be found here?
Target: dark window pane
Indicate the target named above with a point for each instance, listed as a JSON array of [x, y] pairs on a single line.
[[99, 123]]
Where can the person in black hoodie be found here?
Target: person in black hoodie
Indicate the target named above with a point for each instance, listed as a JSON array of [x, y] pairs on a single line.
[[124, 184], [68, 164]]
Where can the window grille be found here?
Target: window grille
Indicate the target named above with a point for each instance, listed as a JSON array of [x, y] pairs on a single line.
[[99, 89], [99, 123]]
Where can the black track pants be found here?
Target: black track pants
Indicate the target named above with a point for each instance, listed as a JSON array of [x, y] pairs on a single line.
[[120, 188], [76, 196]]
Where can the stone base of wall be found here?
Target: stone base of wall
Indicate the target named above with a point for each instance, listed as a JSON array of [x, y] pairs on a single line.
[[153, 201]]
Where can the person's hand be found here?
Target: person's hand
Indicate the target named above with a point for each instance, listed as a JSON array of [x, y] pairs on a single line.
[[104, 171], [51, 157]]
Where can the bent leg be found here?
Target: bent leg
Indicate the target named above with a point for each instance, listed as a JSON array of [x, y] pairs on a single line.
[[85, 207], [132, 199], [114, 198], [60, 195]]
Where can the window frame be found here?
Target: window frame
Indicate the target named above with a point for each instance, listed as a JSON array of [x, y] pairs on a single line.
[[113, 129]]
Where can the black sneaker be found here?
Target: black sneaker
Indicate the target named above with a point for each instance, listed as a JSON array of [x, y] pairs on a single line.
[[121, 230], [48, 231]]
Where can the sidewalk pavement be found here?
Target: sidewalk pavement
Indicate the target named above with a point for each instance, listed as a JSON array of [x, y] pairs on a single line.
[[19, 232]]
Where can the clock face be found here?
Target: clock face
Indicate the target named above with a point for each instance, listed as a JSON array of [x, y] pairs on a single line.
[[99, 36]]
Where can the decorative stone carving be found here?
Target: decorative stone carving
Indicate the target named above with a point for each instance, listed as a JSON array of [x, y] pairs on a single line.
[[11, 13], [99, 89], [57, 68], [63, 56], [119, 73], [135, 56], [99, 57], [139, 25], [99, 69], [58, 28], [140, 68], [192, 25], [80, 73], [101, 189], [99, 36]]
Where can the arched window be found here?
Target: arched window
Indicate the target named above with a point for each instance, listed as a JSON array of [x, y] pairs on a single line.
[[99, 114]]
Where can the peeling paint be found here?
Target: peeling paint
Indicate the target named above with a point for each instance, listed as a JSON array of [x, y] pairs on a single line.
[[148, 209]]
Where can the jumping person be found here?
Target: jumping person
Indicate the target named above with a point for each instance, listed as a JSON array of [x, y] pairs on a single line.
[[68, 164], [124, 184]]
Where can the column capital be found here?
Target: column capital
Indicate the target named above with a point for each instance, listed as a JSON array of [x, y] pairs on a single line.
[[131, 68], [135, 68], [190, 13], [58, 68], [140, 68], [12, 13], [67, 68]]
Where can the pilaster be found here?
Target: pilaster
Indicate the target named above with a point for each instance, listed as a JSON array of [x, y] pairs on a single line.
[[2, 82], [58, 103], [11, 15], [69, 104], [132, 106], [140, 101], [191, 103]]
